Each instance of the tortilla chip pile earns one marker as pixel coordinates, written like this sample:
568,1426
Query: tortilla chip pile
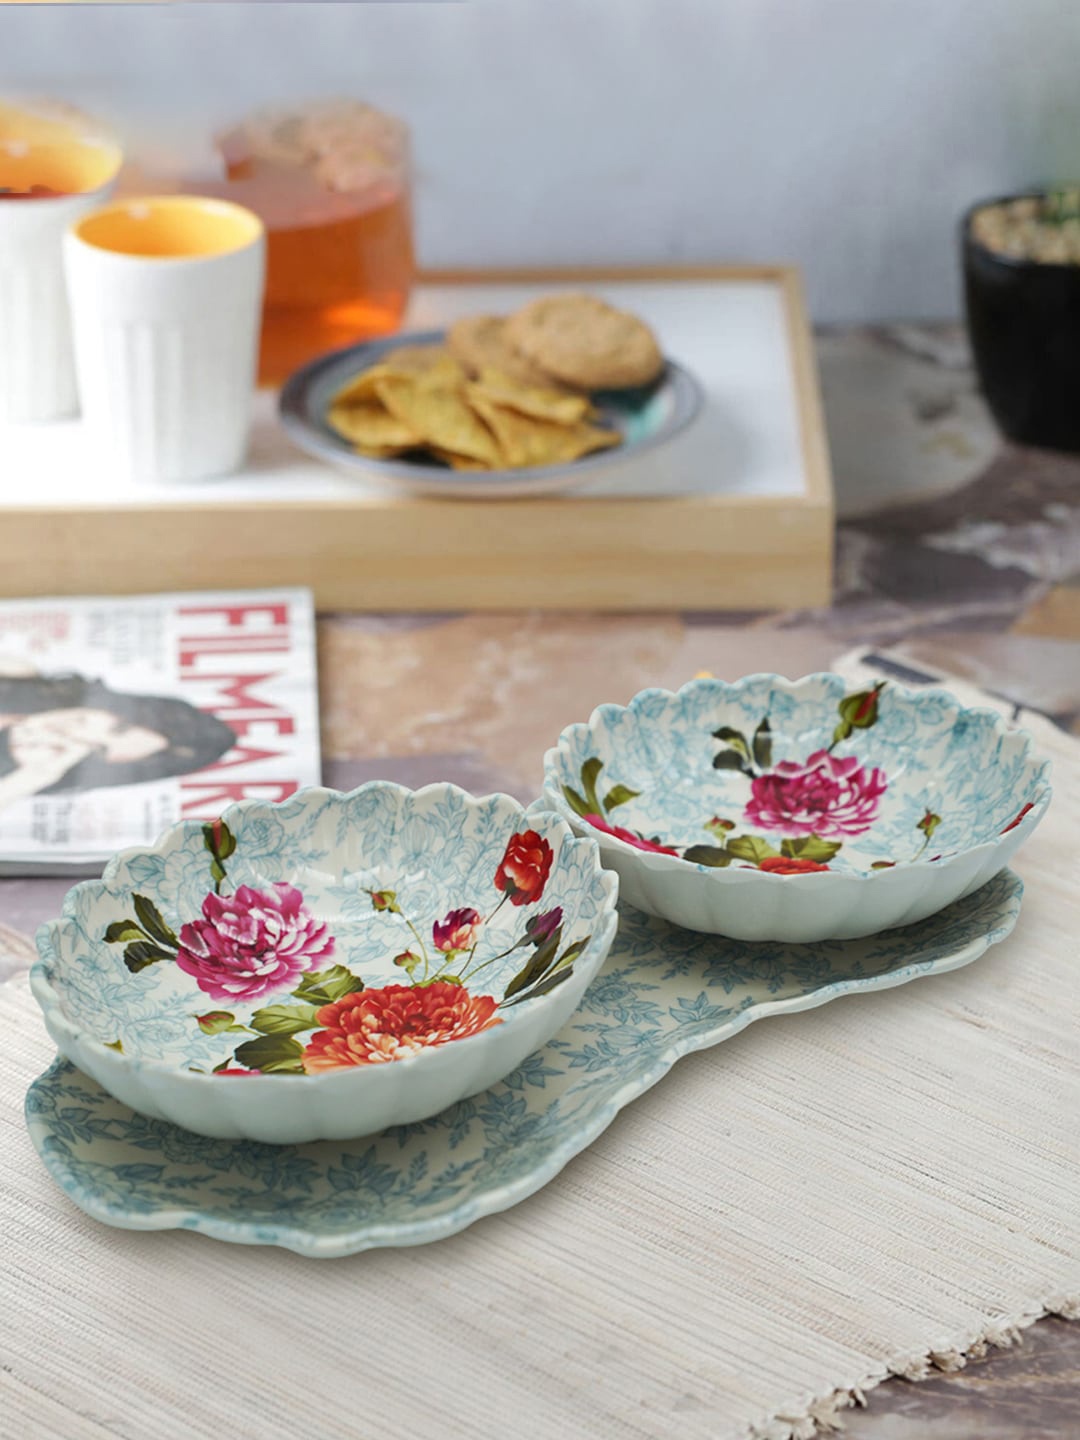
419,398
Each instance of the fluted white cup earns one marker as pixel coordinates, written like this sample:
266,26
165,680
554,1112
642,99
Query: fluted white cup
37,373
166,295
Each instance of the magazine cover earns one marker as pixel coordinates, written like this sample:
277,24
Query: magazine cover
120,716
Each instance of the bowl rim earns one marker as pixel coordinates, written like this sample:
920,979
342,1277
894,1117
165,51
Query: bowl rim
733,875
293,413
48,996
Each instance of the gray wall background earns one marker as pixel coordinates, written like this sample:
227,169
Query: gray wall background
846,135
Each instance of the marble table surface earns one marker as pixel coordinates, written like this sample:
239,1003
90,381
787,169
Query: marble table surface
960,550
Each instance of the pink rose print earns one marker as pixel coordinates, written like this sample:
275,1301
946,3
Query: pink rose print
459,931
823,796
629,836
252,943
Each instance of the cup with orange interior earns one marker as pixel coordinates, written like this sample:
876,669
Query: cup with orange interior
166,293
55,166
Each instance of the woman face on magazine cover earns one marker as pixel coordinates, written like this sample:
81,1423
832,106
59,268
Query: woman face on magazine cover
64,737
67,733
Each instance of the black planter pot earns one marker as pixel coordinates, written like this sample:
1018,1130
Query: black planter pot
1024,323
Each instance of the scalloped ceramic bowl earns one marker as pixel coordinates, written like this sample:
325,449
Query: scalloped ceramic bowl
329,966
797,811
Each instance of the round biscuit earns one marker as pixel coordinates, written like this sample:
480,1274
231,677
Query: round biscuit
480,343
583,341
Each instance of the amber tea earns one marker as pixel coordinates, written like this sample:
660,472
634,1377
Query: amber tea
331,184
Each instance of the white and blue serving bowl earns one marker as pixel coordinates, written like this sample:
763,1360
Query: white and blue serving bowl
798,811
329,966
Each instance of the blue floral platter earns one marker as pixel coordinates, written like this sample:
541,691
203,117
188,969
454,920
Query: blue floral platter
662,993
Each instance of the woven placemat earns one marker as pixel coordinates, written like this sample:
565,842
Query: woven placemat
875,1188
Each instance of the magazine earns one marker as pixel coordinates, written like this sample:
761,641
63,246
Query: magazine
119,717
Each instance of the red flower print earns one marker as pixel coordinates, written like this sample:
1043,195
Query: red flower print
1013,823
377,1026
235,1070
252,943
825,796
629,837
459,931
524,869
789,865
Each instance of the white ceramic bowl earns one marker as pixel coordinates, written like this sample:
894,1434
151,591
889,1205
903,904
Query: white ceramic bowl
362,960
773,810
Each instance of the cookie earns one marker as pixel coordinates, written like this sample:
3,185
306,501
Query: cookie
586,343
480,343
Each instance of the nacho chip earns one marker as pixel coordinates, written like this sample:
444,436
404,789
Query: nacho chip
587,439
367,424
456,462
544,404
416,359
419,398
361,387
436,367
440,416
444,374
386,452
526,440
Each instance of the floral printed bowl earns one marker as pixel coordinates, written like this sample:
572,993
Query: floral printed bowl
795,811
329,966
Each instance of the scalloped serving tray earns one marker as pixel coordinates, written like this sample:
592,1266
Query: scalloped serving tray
663,993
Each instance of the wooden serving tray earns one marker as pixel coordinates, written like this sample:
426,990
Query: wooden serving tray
737,512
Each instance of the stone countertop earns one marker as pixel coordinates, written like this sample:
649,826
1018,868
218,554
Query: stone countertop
960,550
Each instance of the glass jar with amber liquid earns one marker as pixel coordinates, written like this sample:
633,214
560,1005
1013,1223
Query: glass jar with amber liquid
331,182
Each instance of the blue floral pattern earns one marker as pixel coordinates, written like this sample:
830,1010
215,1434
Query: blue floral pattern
687,773
662,993
364,865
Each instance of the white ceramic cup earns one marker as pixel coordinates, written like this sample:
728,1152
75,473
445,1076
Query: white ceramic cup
166,296
37,374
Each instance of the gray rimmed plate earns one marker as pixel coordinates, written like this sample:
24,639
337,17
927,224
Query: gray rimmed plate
644,418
